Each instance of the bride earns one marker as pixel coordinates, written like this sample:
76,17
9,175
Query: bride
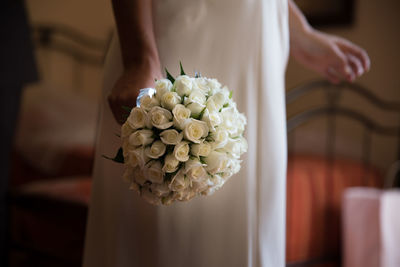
245,45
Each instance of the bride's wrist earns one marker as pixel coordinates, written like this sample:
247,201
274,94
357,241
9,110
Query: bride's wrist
300,38
145,65
300,29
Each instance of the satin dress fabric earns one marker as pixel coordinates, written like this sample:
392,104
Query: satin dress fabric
244,44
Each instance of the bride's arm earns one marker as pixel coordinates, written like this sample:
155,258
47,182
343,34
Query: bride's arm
139,53
333,57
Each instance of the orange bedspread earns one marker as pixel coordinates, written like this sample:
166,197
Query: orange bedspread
314,193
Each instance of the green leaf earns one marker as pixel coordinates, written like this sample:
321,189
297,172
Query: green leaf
202,113
169,76
127,109
169,149
119,157
230,94
169,175
198,116
182,71
202,161
209,138
225,105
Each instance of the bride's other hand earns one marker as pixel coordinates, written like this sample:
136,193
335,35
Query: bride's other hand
333,57
126,89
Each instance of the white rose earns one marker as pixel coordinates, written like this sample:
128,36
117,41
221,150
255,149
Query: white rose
220,138
179,195
185,195
195,102
126,130
162,86
242,121
137,118
170,99
181,114
200,150
171,137
196,96
195,108
200,186
183,85
168,200
212,119
156,150
136,157
195,130
134,187
243,145
147,102
194,169
139,176
141,137
227,94
154,173
236,147
232,121
212,107
214,86
233,167
181,151
216,162
217,181
233,147
201,84
149,196
209,191
126,147
217,101
160,190
179,182
170,163
160,118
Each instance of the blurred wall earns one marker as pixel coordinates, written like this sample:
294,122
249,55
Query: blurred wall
90,17
376,28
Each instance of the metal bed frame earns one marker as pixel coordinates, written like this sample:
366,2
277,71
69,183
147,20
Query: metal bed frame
330,111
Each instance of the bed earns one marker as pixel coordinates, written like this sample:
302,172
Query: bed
335,143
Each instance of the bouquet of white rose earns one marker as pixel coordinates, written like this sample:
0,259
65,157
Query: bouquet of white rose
183,139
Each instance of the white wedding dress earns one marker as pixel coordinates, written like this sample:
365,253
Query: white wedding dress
244,44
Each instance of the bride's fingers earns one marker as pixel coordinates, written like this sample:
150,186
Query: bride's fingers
340,65
358,52
355,64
